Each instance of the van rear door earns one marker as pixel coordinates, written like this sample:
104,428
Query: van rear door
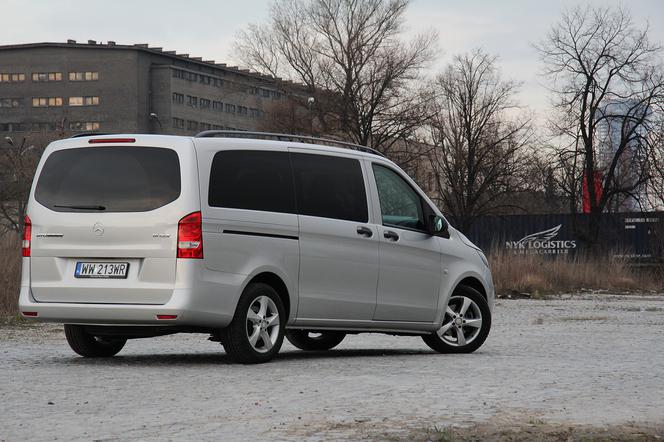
104,220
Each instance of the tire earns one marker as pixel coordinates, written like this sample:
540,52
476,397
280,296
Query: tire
90,346
468,314
255,334
304,340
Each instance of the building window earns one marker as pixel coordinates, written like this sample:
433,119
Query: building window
241,110
47,102
254,113
83,101
218,82
12,127
230,108
178,123
178,98
84,76
46,76
185,75
205,103
266,93
192,125
11,102
218,106
84,125
11,78
217,127
192,101
204,126
44,127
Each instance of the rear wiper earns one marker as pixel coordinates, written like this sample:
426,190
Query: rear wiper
100,208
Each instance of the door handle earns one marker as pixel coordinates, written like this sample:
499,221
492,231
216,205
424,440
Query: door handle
364,231
392,236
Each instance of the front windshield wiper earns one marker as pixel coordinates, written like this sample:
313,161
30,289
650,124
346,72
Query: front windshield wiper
100,208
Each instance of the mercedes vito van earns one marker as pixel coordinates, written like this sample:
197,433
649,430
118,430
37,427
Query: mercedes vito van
247,237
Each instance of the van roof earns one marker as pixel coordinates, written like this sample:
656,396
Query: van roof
263,138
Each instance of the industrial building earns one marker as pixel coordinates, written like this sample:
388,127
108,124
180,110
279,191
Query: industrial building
108,87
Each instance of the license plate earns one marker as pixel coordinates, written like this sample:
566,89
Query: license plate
105,270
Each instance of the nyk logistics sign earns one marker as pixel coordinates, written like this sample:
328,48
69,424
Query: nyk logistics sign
541,243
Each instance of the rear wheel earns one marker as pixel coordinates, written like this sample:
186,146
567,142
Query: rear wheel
91,346
309,340
257,331
466,323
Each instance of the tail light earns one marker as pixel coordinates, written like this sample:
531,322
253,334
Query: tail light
190,236
27,235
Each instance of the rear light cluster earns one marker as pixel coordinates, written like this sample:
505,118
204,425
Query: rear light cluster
190,236
27,236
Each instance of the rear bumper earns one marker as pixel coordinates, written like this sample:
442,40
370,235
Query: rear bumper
189,307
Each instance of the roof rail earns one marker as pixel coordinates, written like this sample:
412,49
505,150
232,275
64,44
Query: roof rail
285,137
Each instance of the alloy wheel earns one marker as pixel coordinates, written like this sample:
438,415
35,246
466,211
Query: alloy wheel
462,322
263,324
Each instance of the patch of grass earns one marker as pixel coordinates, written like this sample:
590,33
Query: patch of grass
441,435
10,274
539,275
13,321
538,430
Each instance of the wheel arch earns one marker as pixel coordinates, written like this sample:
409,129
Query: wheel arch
473,283
469,279
277,283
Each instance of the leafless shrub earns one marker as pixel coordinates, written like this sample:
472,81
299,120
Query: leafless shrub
10,270
536,273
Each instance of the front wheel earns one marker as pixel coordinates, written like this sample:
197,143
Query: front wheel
257,330
466,323
90,346
314,341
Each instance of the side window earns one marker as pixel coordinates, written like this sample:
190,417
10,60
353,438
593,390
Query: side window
330,187
400,204
253,180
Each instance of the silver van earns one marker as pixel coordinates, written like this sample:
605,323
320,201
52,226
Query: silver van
247,237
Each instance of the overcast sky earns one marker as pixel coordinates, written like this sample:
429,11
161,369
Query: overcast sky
206,28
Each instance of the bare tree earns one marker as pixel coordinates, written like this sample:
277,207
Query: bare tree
350,57
17,163
655,188
480,141
607,81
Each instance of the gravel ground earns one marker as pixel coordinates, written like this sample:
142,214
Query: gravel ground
596,361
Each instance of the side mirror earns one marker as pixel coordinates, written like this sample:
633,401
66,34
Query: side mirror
438,226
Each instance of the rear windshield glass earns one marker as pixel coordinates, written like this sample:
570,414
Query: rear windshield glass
109,179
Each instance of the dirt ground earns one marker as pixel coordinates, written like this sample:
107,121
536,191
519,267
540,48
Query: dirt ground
589,368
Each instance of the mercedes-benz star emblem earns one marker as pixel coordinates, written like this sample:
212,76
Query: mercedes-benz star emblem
98,228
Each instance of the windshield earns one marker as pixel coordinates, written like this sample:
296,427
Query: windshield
109,179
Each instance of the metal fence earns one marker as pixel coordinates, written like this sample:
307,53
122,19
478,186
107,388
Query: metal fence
638,237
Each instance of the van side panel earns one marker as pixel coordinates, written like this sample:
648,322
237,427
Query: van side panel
238,242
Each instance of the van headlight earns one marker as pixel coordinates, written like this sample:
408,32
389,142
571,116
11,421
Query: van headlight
483,257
